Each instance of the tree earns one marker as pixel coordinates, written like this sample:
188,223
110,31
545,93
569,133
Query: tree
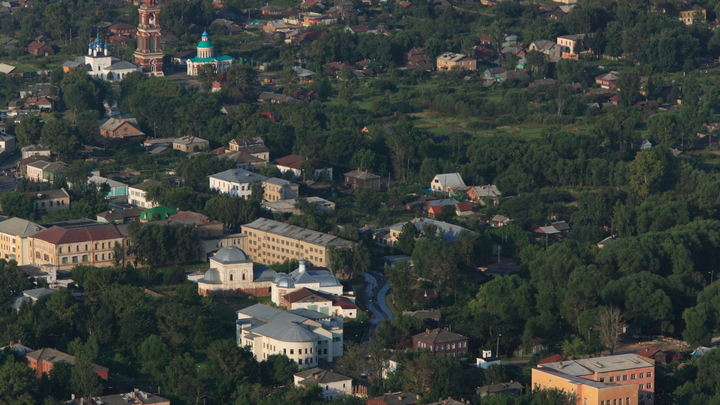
257,190
28,131
629,86
360,259
205,76
367,200
154,356
17,384
646,172
495,374
353,363
406,240
84,381
56,134
17,205
610,324
240,78
403,282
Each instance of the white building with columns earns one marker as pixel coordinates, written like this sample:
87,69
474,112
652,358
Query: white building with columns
206,56
304,336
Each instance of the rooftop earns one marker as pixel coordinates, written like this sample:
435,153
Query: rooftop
593,365
296,232
319,376
439,336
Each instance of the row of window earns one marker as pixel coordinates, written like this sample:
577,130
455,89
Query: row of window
439,348
624,377
617,401
84,258
8,239
98,246
8,247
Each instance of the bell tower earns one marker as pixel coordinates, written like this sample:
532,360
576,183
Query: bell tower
149,54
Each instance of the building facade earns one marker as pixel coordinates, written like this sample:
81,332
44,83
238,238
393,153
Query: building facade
66,247
42,362
232,272
273,242
149,53
601,380
331,383
136,194
302,277
14,234
441,341
448,60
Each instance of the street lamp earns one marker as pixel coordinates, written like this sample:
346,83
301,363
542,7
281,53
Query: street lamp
497,346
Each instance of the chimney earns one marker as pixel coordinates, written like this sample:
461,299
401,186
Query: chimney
301,269
427,330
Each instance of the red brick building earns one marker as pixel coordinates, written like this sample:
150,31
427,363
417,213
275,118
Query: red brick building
42,362
149,53
441,341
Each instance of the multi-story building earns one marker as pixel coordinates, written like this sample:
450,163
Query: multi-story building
279,189
611,380
252,146
448,60
48,200
304,336
44,171
690,15
568,43
441,341
14,234
331,383
86,242
136,194
236,182
390,236
272,242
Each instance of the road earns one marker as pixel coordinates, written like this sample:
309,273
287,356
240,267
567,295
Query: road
377,288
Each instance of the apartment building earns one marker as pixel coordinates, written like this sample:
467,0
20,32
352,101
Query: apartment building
626,379
14,234
237,183
273,242
85,242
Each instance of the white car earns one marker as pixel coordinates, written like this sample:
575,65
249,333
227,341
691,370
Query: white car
11,113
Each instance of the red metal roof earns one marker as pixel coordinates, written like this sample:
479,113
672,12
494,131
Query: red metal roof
648,352
555,358
57,235
464,206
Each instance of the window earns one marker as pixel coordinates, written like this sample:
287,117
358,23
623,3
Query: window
624,377
632,376
103,256
69,249
612,379
292,351
243,276
37,255
59,250
231,277
602,379
641,375
64,260
627,401
648,374
86,248
300,361
75,259
648,386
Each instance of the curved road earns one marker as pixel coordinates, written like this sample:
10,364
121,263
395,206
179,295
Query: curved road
376,294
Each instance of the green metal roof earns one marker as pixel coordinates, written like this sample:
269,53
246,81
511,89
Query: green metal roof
205,44
162,210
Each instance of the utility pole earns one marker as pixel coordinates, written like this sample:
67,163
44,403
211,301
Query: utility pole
497,346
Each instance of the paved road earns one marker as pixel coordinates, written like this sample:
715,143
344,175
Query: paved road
370,291
379,295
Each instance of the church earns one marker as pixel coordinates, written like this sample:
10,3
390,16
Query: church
232,272
99,64
206,56
316,280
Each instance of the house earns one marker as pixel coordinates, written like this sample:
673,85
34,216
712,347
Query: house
35,150
117,189
119,216
122,28
278,10
395,398
252,146
136,396
416,55
441,341
539,346
137,196
659,356
44,104
42,362
157,213
450,232
40,49
567,44
549,48
69,244
691,15
14,233
305,337
294,162
607,81
7,144
48,200
11,70
126,129
463,208
274,242
448,60
189,144
610,239
600,379
512,75
643,144
274,98
322,302
232,273
443,183
288,206
44,171
434,211
331,383
280,189
31,297
478,194
512,389
235,182
498,221
276,26
47,273
359,178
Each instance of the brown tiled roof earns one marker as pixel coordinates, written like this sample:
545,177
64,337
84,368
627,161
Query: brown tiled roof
57,235
439,336
291,161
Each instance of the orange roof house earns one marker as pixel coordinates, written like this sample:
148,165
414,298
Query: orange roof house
42,362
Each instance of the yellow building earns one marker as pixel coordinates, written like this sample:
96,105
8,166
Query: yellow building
14,234
271,241
448,60
69,246
279,189
690,16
